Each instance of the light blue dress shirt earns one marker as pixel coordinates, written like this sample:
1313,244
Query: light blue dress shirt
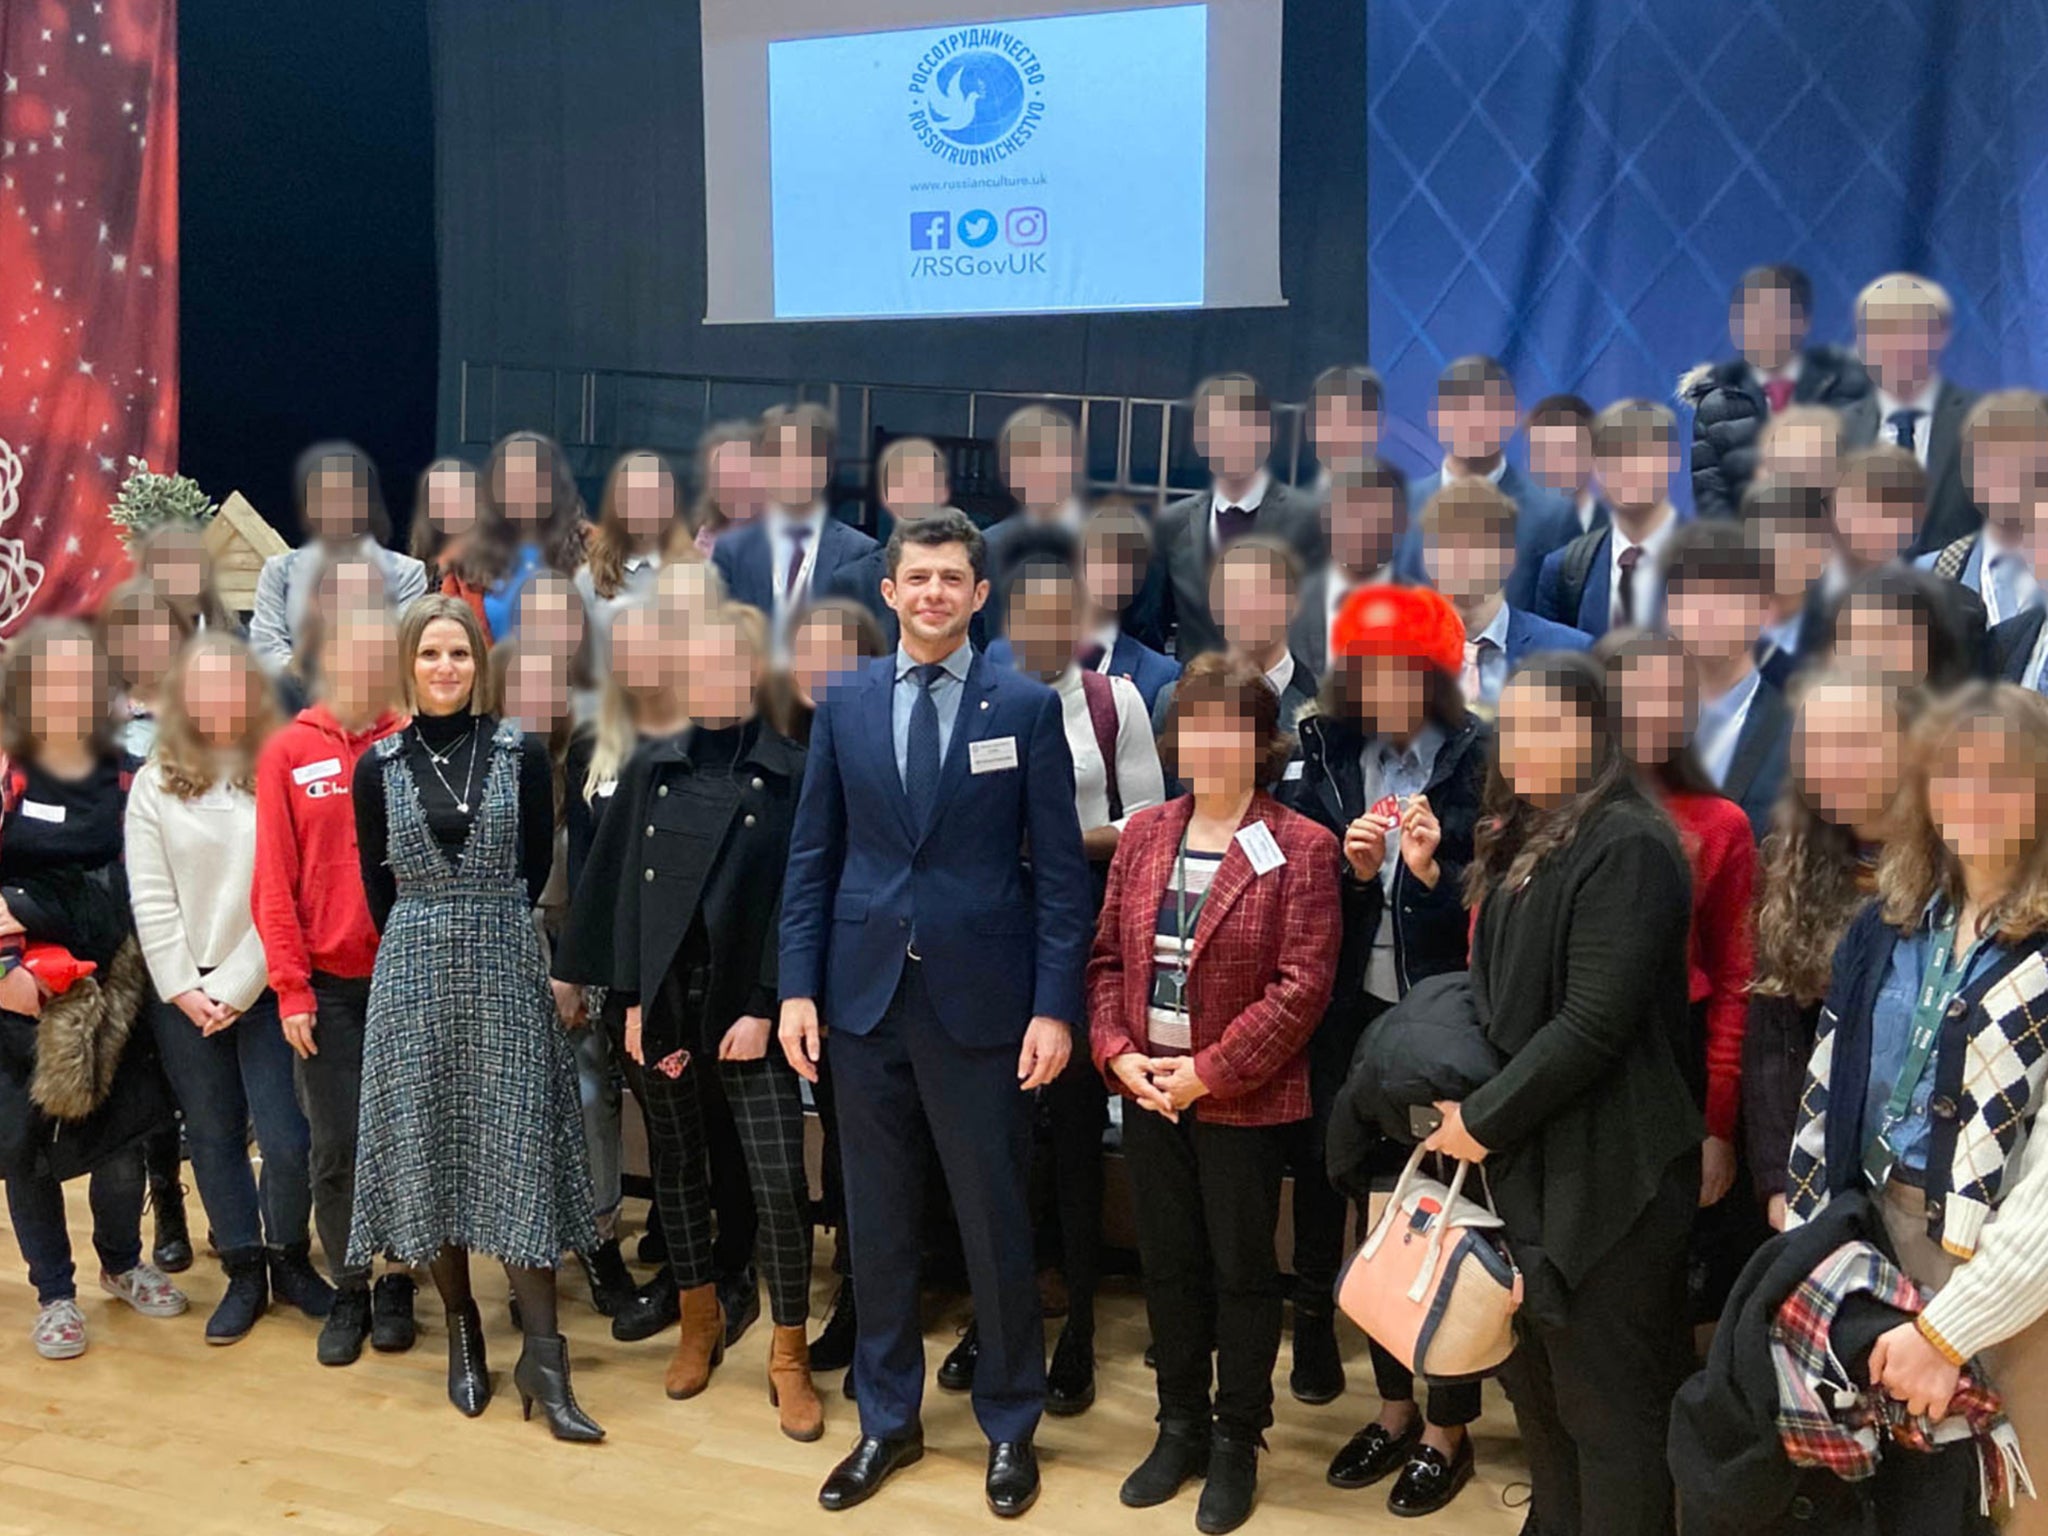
946,695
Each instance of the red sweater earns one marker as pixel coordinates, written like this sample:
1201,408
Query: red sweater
1721,849
307,896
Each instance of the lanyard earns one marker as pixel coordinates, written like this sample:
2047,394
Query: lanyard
1184,921
1938,987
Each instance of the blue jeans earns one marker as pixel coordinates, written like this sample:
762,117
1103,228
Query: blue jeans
35,1202
224,1082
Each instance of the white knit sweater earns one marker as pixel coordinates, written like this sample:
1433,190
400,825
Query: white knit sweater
190,866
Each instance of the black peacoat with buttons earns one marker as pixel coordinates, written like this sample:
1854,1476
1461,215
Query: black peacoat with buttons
685,839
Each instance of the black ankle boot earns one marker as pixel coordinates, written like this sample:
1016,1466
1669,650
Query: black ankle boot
172,1250
469,1374
1232,1488
392,1329
542,1376
1179,1454
611,1283
247,1297
1318,1374
832,1349
295,1282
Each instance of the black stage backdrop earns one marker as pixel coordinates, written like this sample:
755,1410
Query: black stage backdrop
571,199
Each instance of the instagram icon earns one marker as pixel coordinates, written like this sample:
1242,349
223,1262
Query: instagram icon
1025,226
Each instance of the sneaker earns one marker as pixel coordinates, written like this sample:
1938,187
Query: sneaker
60,1331
147,1289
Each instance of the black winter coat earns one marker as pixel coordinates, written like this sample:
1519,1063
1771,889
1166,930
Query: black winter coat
1728,414
694,833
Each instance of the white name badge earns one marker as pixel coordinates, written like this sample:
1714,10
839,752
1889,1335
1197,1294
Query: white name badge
992,756
36,810
1257,842
327,767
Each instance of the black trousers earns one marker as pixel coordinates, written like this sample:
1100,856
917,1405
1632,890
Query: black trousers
832,1210
1208,1199
1320,1211
1593,1395
330,1089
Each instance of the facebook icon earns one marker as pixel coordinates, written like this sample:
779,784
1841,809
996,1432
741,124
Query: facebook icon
931,231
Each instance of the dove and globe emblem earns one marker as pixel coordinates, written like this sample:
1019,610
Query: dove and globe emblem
977,98
977,95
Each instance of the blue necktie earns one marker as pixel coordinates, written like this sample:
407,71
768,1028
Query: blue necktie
921,762
1903,424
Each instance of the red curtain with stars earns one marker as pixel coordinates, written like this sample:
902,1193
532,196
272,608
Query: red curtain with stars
88,286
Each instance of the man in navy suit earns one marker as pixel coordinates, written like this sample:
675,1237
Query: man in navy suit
1473,418
1718,588
950,973
796,548
1468,531
1611,576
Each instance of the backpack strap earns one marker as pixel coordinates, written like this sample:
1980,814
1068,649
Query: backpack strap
1577,566
1100,693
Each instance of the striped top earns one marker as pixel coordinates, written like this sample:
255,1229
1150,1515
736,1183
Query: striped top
1166,1025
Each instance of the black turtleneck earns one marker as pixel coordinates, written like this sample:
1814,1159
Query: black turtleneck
464,741
716,749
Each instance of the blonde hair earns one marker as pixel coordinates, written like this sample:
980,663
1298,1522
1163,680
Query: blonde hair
2008,416
187,765
1904,296
616,728
412,628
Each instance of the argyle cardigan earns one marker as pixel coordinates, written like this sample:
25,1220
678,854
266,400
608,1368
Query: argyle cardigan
1990,1065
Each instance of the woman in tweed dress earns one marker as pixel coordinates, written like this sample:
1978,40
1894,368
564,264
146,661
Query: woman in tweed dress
471,1128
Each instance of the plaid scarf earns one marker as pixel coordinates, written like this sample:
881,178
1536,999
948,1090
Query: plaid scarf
1826,1420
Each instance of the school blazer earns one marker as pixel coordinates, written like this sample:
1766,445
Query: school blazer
744,559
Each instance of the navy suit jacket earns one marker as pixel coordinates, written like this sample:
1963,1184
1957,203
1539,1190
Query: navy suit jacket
1544,520
1001,942
2011,645
744,558
1756,773
1528,635
1592,616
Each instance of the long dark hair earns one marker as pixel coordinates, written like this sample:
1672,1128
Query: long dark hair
562,535
1514,836
1681,773
364,469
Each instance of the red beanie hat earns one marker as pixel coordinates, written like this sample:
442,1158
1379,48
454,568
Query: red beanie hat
1386,620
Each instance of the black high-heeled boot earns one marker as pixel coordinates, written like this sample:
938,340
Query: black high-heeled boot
542,1376
469,1377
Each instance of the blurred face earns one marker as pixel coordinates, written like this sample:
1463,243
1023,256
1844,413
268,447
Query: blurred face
1346,432
353,584
646,501
1253,605
144,649
178,569
1042,472
63,704
1390,694
1805,454
443,668
1799,557
1364,525
646,658
2003,477
1716,623
1655,698
1219,751
1561,456
551,617
736,481
451,501
1872,529
1847,754
217,698
1901,350
1766,327
1638,477
536,692
523,489
934,593
359,665
1470,570
824,649
1546,750
1477,425
797,471
1983,801
721,676
337,502
1886,634
917,486
1110,576
1045,627
1234,438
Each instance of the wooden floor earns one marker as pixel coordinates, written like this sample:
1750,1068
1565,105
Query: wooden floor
152,1432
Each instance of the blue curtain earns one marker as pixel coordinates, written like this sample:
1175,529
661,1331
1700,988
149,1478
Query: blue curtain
1574,185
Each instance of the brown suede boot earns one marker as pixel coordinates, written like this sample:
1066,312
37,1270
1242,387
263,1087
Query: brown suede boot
789,1385
701,1345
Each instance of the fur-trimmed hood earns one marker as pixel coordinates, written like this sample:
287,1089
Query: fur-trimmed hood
82,1034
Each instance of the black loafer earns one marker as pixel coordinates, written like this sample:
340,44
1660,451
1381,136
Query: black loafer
1012,1478
1372,1455
860,1477
956,1371
1430,1480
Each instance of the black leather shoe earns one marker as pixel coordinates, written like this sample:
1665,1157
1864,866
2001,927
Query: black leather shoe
1232,1488
1430,1480
740,1297
1318,1374
1179,1455
392,1329
347,1325
469,1375
832,1349
956,1371
1012,1478
650,1309
872,1463
1070,1379
1373,1454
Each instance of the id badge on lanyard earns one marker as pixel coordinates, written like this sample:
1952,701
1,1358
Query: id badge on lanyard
1937,988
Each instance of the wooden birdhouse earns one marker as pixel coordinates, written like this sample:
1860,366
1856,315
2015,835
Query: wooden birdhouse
240,541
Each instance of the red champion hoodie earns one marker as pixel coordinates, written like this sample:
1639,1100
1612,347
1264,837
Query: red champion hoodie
307,897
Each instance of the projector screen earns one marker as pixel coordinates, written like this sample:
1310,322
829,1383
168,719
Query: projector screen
894,159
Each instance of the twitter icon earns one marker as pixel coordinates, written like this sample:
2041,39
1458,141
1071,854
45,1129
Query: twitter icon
976,228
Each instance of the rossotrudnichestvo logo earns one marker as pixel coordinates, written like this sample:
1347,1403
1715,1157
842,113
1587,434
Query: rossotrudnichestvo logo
977,96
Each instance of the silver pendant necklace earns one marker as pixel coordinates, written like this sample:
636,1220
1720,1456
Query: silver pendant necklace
436,759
